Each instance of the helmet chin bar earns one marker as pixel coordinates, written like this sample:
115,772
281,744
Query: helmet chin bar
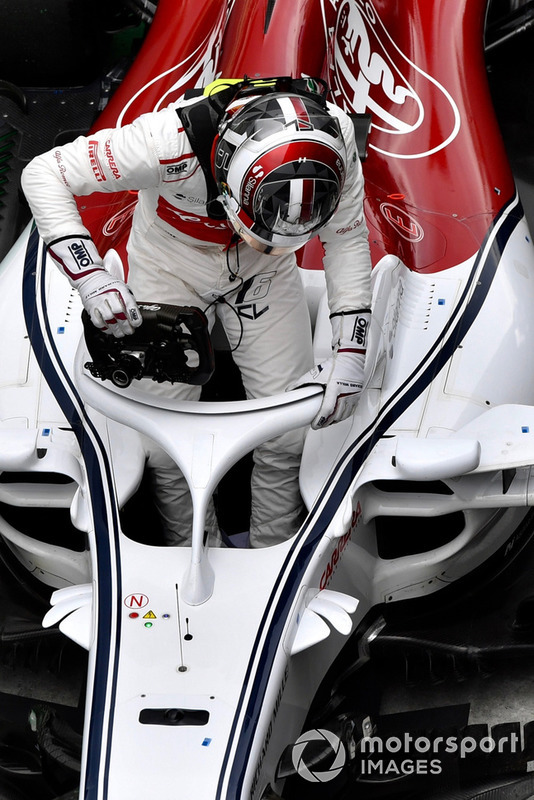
261,247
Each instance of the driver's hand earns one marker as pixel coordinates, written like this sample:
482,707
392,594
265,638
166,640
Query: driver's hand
109,303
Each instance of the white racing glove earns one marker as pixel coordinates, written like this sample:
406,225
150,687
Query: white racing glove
108,300
342,374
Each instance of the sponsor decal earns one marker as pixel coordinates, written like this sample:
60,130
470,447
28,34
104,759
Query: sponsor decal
352,227
80,254
405,225
61,166
268,733
517,540
112,164
414,113
195,226
359,331
114,223
94,160
254,176
199,201
172,170
326,577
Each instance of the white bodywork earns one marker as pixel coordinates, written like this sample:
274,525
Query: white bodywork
201,690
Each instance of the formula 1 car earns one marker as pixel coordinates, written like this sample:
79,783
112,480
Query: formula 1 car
231,673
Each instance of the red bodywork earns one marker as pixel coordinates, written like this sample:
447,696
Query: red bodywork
436,172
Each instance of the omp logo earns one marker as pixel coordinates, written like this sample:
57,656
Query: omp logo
359,334
81,255
176,169
414,114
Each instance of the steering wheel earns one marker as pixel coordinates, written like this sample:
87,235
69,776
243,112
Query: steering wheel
173,344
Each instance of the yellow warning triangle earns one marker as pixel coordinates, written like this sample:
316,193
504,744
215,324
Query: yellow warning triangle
149,615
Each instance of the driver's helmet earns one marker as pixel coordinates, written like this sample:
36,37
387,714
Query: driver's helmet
280,165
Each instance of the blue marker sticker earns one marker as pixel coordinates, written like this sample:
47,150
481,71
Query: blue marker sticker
525,429
441,301
206,743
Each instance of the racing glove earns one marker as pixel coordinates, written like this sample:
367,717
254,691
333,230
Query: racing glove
342,374
108,300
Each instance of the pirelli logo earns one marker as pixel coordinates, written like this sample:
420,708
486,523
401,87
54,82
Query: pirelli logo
94,160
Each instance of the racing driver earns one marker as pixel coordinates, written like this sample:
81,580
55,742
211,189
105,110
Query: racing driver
231,182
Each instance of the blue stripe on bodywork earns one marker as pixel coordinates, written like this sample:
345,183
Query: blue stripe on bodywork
63,389
478,285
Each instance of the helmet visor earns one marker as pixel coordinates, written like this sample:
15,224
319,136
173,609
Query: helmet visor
263,241
297,206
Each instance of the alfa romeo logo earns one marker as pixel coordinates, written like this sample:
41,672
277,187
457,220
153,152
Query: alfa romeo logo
371,74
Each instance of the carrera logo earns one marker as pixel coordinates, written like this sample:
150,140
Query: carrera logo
112,164
413,115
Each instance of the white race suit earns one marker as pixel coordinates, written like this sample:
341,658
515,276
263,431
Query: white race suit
177,254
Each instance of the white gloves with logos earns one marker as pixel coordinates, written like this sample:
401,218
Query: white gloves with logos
342,374
110,303
108,300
